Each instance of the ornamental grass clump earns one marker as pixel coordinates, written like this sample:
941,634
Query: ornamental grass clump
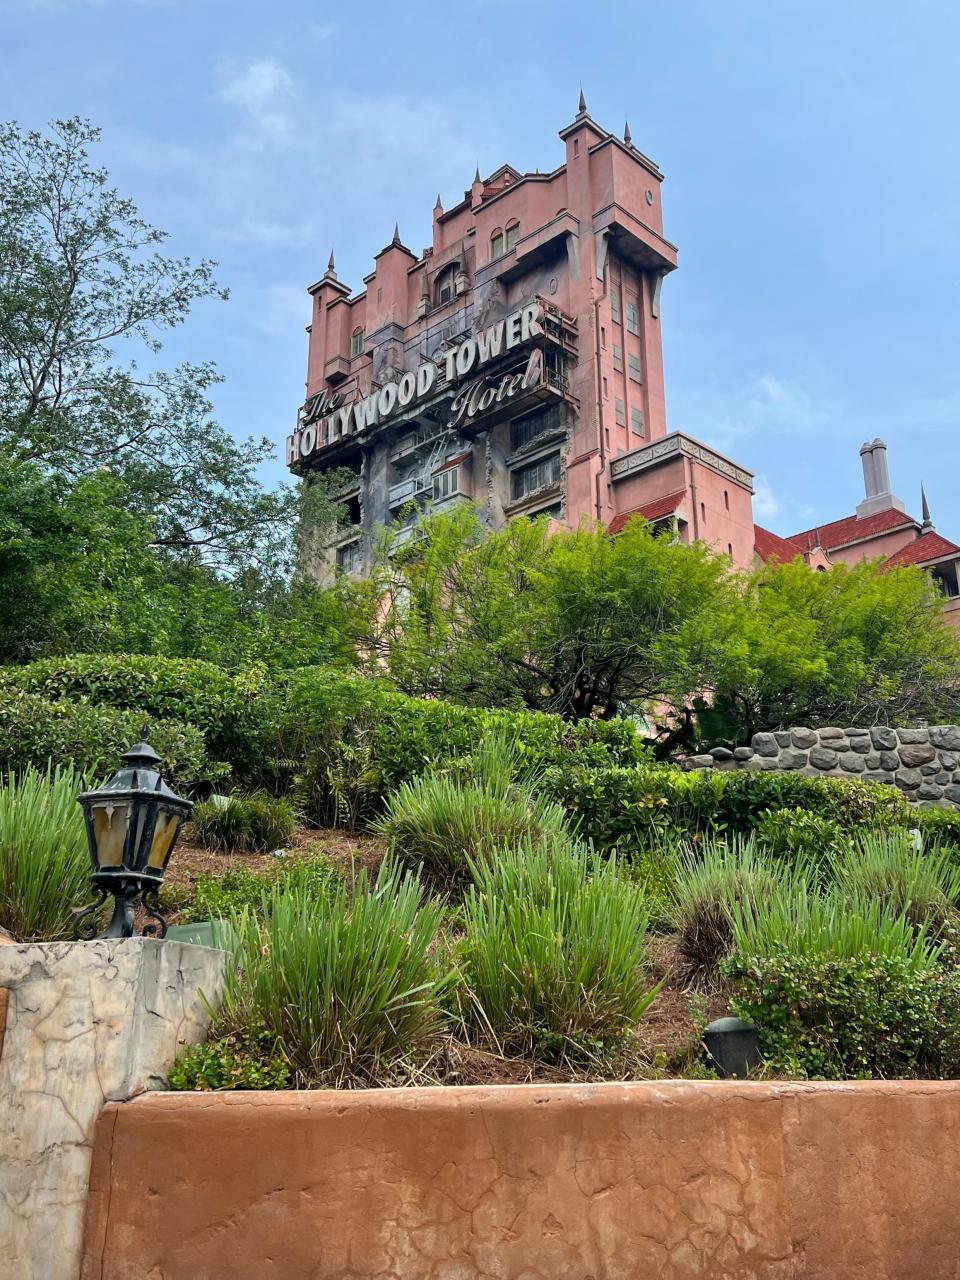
553,953
708,883
347,984
44,862
842,989
443,822
920,884
254,823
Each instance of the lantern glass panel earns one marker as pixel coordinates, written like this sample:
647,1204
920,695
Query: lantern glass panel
164,834
110,824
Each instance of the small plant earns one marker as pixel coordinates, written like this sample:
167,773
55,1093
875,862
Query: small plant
553,952
442,825
220,897
708,884
349,985
255,823
240,1060
923,886
44,862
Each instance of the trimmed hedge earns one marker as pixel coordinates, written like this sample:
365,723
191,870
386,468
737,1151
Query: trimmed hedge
352,740
36,732
634,808
229,711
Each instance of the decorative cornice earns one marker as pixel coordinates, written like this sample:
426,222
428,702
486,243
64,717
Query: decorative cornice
677,445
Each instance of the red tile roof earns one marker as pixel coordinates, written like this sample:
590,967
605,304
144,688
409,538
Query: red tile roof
840,533
655,510
929,546
770,546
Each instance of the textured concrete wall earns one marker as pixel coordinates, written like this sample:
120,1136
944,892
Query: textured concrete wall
673,1180
87,1023
923,763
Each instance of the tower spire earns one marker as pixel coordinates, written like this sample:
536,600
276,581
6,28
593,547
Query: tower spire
582,105
476,176
627,135
331,267
396,233
927,521
439,205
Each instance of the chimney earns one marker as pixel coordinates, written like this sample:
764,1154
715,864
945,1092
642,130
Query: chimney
876,481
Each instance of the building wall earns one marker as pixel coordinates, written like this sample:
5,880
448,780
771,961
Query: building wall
675,1179
877,548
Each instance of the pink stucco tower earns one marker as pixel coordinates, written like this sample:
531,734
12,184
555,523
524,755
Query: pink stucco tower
516,362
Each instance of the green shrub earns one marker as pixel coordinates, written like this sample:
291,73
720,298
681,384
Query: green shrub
939,825
34,732
709,883
799,837
255,823
246,1060
351,740
631,808
922,885
241,889
552,956
44,863
439,824
840,990
348,985
231,712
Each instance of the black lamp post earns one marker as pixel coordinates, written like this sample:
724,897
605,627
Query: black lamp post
132,824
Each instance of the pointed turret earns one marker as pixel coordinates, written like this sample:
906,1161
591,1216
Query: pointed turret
331,266
438,207
925,510
396,234
582,104
627,135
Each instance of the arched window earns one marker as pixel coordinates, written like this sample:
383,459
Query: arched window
356,344
447,284
496,245
512,235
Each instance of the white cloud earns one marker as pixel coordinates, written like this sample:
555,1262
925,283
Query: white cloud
766,505
261,92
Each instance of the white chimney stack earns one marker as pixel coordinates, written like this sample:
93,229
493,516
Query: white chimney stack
876,481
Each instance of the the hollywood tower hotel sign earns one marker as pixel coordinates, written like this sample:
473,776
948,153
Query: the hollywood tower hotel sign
475,396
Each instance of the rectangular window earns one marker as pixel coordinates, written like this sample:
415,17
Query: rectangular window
621,413
614,306
634,366
633,320
356,344
512,236
618,358
523,430
349,557
604,388
539,475
603,336
446,483
636,422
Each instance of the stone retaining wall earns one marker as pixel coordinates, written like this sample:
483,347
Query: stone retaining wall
679,1180
923,763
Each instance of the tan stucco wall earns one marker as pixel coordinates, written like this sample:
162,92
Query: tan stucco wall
673,1180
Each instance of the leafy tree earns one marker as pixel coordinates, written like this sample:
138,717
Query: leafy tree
574,622
853,645
85,296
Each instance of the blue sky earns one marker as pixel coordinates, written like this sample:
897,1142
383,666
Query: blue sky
811,154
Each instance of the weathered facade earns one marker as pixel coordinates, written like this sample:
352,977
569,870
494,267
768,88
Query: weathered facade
515,362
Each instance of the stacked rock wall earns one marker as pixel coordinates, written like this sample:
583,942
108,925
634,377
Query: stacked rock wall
923,763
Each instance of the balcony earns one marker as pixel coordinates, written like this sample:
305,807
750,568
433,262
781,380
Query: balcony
336,370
